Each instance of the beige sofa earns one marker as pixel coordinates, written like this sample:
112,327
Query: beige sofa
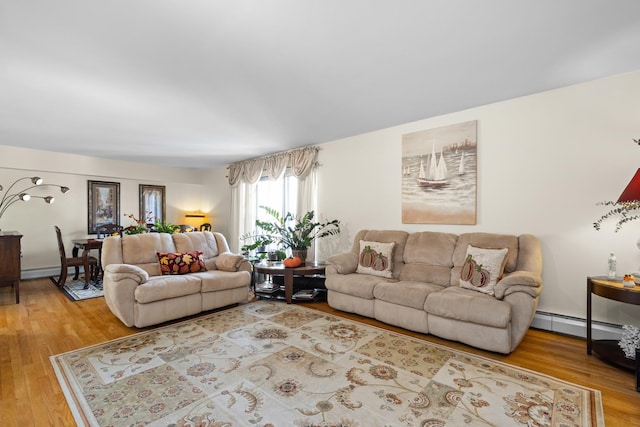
137,293
424,293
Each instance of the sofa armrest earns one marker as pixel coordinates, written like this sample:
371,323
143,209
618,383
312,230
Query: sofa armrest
119,284
344,263
519,281
118,272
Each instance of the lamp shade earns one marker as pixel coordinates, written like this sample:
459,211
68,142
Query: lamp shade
632,191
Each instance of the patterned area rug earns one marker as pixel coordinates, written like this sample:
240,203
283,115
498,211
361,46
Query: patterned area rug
74,289
272,364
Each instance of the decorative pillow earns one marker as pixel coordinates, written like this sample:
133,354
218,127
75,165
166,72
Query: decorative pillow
181,263
227,261
376,258
482,268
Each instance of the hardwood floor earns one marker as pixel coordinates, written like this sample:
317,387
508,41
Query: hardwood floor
46,323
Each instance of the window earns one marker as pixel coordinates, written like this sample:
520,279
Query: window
281,195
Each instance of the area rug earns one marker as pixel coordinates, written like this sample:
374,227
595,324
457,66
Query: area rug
271,364
74,289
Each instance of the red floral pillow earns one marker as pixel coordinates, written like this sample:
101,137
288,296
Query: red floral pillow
181,263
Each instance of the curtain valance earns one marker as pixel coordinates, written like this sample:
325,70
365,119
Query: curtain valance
300,162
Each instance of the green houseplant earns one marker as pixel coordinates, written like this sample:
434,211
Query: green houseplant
165,227
139,227
289,231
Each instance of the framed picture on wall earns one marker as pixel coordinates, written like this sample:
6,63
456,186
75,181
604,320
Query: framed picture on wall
439,175
103,204
152,203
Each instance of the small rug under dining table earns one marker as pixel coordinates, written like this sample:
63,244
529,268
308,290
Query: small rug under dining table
271,364
75,289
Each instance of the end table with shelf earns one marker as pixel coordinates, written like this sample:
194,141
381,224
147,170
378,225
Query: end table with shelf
608,350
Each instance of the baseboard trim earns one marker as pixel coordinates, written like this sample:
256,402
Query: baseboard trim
41,273
575,326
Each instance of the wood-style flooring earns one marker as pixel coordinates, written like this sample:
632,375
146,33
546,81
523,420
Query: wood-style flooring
46,323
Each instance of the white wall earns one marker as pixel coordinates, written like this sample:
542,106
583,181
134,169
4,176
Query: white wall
544,161
35,219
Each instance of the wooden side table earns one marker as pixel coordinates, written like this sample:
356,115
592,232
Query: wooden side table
309,269
609,350
10,256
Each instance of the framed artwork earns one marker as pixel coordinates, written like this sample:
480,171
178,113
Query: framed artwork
103,204
439,175
152,203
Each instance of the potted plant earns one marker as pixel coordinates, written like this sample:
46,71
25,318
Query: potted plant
165,227
140,226
289,231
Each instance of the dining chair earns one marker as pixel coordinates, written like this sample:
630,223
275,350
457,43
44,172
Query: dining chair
206,227
186,228
76,262
106,230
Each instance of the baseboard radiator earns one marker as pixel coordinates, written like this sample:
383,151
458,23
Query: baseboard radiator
575,326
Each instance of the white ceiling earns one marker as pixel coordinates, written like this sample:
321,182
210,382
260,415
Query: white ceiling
202,83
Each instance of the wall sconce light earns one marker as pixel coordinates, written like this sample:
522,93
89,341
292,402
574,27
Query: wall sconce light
10,198
196,218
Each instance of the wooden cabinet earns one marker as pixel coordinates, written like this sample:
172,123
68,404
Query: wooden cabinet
10,260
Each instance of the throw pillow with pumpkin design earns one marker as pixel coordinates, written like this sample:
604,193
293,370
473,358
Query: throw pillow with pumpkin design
376,258
482,269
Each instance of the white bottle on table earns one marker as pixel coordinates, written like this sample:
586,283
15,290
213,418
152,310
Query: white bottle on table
612,266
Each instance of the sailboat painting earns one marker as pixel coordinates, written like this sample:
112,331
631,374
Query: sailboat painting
439,175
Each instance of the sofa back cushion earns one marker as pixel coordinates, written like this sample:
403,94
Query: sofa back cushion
487,241
203,241
428,256
385,236
141,250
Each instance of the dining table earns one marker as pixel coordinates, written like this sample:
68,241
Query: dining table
87,245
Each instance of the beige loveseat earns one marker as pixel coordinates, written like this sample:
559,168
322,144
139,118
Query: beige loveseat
424,293
137,293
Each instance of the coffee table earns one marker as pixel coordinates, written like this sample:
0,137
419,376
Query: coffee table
289,273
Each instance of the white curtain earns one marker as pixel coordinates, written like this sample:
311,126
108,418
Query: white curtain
243,178
302,161
308,200
252,170
242,218
235,172
276,165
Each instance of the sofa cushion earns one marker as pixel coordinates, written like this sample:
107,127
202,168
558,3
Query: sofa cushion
142,248
204,241
164,287
218,280
357,285
408,294
181,262
469,306
428,256
376,258
482,269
